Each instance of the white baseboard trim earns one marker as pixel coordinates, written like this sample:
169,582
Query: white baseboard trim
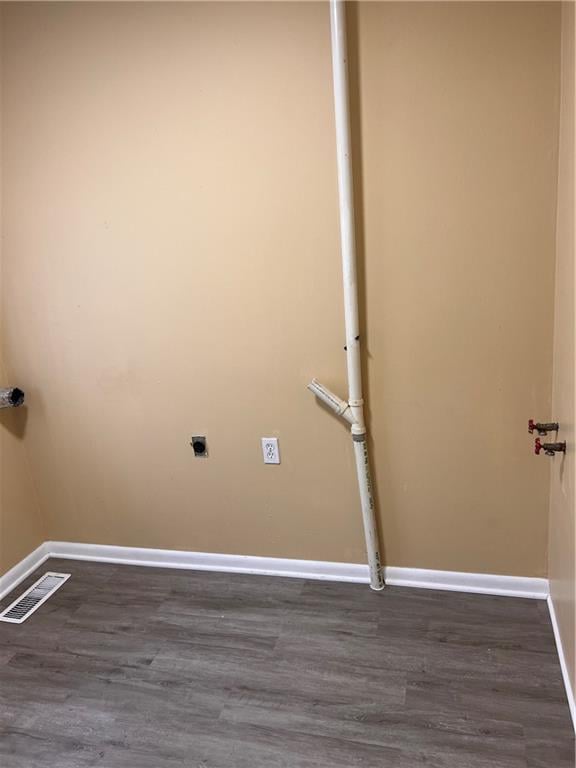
206,561
563,665
24,568
487,584
478,583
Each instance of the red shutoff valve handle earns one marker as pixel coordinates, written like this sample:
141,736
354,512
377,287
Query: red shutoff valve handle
542,428
550,449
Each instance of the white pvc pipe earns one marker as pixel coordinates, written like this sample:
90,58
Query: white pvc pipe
368,510
346,198
353,411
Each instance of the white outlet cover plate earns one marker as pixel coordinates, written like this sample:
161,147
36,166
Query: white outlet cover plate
270,450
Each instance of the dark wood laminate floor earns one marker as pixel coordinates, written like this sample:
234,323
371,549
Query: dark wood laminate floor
131,667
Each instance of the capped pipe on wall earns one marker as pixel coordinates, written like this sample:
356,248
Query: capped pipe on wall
352,410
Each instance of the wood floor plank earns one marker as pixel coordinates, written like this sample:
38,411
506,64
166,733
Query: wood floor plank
129,667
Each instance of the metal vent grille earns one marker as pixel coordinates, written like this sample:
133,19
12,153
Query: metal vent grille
32,599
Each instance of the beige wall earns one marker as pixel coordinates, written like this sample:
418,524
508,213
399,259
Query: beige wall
458,115
562,509
21,526
172,268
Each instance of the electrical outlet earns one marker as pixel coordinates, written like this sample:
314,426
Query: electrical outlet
270,450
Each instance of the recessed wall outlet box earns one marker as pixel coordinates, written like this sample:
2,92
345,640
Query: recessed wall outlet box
198,443
270,450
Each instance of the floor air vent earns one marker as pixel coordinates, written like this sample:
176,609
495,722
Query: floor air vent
32,599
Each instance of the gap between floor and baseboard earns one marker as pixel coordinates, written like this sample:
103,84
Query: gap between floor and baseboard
454,581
